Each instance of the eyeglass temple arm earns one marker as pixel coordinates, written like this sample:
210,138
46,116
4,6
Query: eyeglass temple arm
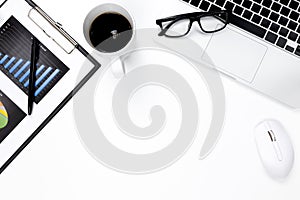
159,21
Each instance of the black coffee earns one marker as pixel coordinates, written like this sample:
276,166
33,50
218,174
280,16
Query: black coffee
110,32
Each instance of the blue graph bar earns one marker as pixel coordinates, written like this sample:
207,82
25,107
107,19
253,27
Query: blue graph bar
43,76
22,69
37,92
36,74
24,76
16,66
3,59
9,62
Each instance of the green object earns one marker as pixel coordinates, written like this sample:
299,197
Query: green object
3,121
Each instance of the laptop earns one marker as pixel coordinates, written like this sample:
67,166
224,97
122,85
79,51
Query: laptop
259,48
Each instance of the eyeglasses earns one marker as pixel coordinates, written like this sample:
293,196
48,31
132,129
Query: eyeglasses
180,25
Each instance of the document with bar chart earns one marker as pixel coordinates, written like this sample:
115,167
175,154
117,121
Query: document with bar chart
15,53
59,75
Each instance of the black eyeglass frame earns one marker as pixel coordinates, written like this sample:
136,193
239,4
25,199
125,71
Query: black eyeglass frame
195,16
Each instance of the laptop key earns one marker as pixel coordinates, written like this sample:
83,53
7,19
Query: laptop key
220,2
293,36
229,6
204,5
289,48
247,14
238,10
265,23
267,3
276,7
247,4
195,2
247,26
274,27
285,11
256,8
284,2
265,12
297,52
283,31
281,42
292,25
271,37
294,15
293,4
274,17
283,21
256,19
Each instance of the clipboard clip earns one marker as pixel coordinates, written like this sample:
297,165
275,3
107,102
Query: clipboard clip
57,26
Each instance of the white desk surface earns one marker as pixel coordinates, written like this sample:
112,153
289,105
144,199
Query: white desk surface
56,166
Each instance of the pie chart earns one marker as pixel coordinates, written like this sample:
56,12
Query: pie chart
3,116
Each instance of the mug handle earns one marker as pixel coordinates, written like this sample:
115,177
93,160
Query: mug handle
119,67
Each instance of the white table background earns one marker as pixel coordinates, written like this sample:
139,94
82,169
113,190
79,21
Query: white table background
56,165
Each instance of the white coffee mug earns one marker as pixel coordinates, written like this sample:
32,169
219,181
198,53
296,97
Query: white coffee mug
119,67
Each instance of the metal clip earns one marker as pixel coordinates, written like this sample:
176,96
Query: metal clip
55,25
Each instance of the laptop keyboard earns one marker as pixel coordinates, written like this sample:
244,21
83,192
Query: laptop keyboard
275,21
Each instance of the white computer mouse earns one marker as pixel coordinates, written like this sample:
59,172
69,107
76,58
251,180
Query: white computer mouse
275,148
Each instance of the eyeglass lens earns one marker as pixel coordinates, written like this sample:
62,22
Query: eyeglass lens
178,28
213,23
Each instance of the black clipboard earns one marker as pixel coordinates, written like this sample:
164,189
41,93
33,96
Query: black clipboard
81,83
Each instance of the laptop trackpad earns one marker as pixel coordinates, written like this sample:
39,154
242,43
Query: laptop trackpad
235,54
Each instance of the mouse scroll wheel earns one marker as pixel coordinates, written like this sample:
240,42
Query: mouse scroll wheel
275,145
272,135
